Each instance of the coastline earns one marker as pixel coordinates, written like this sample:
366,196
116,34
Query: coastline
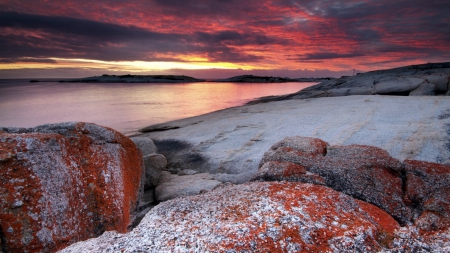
232,141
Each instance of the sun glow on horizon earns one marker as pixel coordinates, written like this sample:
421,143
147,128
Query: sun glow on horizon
132,66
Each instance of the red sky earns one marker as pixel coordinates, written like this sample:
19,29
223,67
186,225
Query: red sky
219,38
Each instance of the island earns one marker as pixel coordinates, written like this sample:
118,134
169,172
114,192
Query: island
135,79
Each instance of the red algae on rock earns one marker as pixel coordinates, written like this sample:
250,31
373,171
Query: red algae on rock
63,183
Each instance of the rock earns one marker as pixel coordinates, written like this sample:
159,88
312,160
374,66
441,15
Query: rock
256,217
154,165
425,89
63,183
232,142
286,171
397,81
441,82
145,145
349,91
147,198
174,186
187,172
364,172
447,93
303,144
428,193
398,85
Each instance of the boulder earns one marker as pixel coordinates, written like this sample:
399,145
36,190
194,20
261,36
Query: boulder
145,145
440,81
425,89
63,183
173,186
398,85
256,217
154,165
428,193
364,172
286,171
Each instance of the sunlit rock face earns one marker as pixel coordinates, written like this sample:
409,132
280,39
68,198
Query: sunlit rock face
64,183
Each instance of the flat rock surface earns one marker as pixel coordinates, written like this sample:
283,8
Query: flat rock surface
230,143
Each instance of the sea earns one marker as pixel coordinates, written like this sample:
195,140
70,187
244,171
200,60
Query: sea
125,107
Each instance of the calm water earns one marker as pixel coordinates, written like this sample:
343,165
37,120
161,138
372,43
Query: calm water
124,107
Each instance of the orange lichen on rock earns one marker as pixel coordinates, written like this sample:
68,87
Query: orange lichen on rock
259,217
64,183
363,172
428,192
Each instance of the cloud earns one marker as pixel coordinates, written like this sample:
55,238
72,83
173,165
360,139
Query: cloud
325,56
318,33
54,36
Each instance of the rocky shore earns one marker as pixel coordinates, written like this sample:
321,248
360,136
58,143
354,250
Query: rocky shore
324,173
431,79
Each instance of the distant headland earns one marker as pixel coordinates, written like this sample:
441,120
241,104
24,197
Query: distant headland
185,79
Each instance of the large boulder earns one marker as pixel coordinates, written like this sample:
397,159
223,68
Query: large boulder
364,172
145,145
256,217
154,165
428,193
440,81
63,183
398,85
412,192
425,89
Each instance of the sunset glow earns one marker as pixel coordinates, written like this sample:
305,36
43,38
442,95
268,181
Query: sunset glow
295,38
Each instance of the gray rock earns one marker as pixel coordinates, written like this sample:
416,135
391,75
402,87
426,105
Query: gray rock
441,82
146,145
174,186
425,89
147,198
398,85
187,172
447,93
361,91
154,165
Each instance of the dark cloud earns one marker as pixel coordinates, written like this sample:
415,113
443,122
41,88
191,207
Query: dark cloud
325,56
36,60
69,37
331,32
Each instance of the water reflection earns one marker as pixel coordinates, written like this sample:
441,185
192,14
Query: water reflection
125,107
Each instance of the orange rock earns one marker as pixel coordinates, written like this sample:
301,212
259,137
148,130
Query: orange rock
428,193
364,172
63,183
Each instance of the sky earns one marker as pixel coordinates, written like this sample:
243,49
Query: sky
219,38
